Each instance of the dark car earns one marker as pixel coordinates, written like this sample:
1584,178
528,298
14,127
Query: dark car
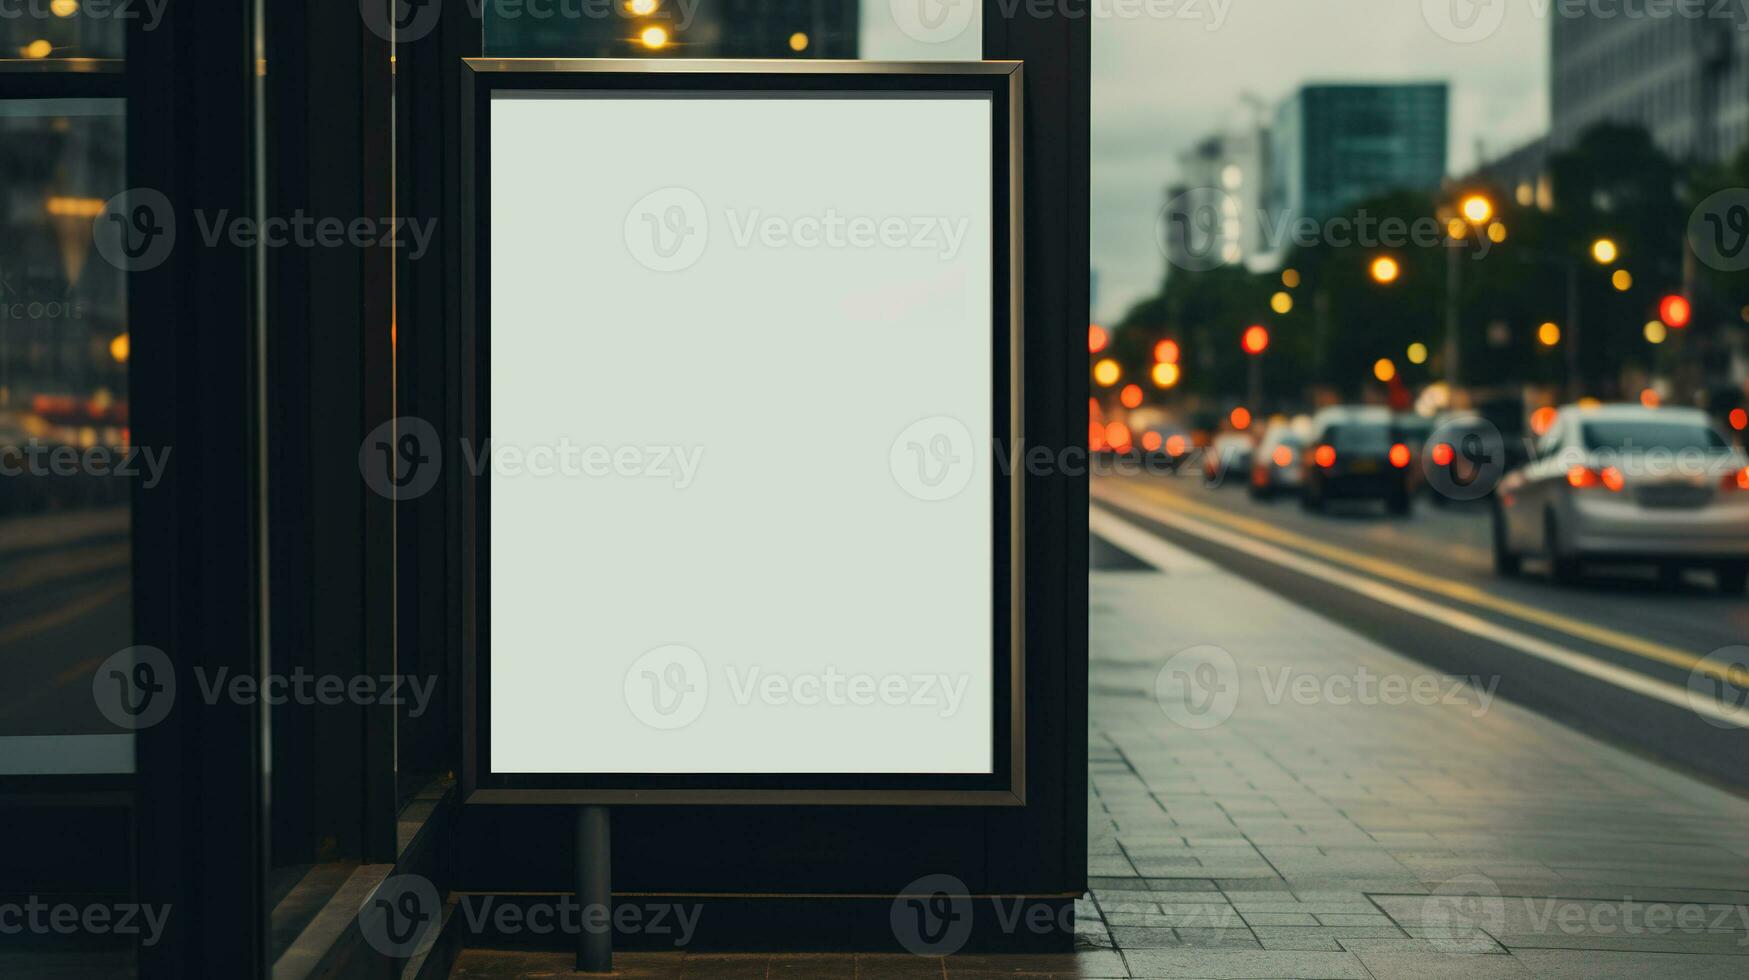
1357,453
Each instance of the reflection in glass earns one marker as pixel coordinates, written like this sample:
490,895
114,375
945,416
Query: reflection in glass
64,519
41,30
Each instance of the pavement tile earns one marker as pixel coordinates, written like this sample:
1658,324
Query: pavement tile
1396,965
1157,964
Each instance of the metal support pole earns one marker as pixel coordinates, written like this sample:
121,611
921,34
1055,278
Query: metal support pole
1575,384
594,890
1453,347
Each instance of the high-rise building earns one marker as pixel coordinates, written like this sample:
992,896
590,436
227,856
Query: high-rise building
1685,79
1218,198
1334,145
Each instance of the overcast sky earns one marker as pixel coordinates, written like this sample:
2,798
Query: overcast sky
1161,84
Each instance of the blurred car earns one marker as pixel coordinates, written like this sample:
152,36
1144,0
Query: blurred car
1229,453
1275,466
1356,455
1414,431
1631,484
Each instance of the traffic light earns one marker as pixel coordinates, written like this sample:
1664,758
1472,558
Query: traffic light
1675,311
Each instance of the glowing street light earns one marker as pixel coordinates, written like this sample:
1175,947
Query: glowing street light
1107,372
1623,280
1166,374
1477,209
1549,334
1384,369
1417,353
1290,278
1130,396
1385,270
1604,251
654,38
1166,352
1656,332
1282,303
1256,339
1097,338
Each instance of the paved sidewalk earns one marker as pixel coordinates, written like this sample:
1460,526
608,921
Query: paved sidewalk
1275,796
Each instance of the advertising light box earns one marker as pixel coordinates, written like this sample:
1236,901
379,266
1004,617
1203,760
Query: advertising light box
746,366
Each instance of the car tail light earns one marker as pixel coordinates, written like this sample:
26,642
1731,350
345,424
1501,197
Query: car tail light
1586,478
1283,456
1325,456
1443,454
1736,481
1400,456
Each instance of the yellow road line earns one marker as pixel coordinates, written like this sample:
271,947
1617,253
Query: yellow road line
1402,574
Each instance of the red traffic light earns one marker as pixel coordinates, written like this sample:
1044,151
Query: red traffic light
1675,311
1256,339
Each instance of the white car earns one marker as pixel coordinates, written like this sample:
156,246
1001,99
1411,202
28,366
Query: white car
1276,465
1631,484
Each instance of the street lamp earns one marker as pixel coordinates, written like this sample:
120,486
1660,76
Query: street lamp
1604,251
1385,270
1478,211
1255,341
